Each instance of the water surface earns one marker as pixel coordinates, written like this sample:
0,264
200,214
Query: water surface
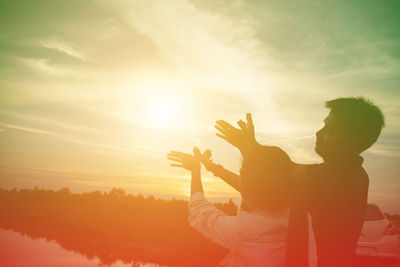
20,250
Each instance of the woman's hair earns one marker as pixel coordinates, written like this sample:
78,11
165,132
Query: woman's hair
265,178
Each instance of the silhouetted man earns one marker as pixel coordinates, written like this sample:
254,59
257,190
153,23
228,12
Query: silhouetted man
334,192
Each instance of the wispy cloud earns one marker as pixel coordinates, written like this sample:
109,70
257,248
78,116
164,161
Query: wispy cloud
379,150
64,47
90,87
43,65
99,146
292,138
60,124
26,129
210,48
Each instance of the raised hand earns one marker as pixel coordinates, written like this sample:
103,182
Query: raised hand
250,129
205,158
243,137
187,161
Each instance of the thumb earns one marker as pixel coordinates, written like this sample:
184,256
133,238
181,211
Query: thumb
207,154
250,127
249,119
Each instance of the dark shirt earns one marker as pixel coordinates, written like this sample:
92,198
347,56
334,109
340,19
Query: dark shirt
297,238
337,202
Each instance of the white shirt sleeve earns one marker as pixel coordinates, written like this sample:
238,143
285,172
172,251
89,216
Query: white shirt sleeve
213,223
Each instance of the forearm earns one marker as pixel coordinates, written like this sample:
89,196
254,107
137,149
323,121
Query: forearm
229,177
248,149
196,184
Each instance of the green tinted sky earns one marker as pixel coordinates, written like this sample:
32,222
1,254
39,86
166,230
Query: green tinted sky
94,93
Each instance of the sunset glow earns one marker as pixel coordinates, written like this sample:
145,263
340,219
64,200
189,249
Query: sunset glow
162,114
95,93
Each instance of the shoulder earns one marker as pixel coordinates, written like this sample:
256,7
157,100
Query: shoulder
304,170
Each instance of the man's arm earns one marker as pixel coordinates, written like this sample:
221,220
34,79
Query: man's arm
233,179
243,138
229,177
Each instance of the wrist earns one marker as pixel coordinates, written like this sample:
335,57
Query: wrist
245,150
196,170
216,169
210,166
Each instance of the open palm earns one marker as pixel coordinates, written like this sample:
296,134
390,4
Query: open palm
242,137
187,161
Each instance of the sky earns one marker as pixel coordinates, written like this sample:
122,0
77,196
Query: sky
93,94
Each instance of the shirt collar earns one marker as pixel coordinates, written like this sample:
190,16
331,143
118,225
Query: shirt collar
346,163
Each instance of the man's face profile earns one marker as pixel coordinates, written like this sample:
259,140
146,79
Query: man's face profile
329,143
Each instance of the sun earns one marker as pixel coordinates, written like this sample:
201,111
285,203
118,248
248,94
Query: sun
163,103
161,114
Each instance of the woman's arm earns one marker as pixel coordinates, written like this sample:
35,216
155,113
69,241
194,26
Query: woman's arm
196,184
213,223
189,162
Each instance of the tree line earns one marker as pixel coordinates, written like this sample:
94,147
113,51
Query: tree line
111,225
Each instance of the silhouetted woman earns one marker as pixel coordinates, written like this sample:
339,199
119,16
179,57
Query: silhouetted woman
257,235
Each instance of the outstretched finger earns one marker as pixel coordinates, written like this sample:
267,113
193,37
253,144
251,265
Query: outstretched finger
221,130
205,157
171,157
242,125
177,165
224,137
223,124
175,156
207,154
249,119
178,154
175,159
250,127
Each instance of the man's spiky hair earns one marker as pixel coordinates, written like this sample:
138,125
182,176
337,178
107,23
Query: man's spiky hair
360,119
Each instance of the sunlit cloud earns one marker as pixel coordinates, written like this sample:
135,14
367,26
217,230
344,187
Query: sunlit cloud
123,82
54,123
221,52
384,151
64,47
43,66
26,129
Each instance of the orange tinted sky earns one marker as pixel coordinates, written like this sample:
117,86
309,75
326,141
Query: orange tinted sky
95,93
